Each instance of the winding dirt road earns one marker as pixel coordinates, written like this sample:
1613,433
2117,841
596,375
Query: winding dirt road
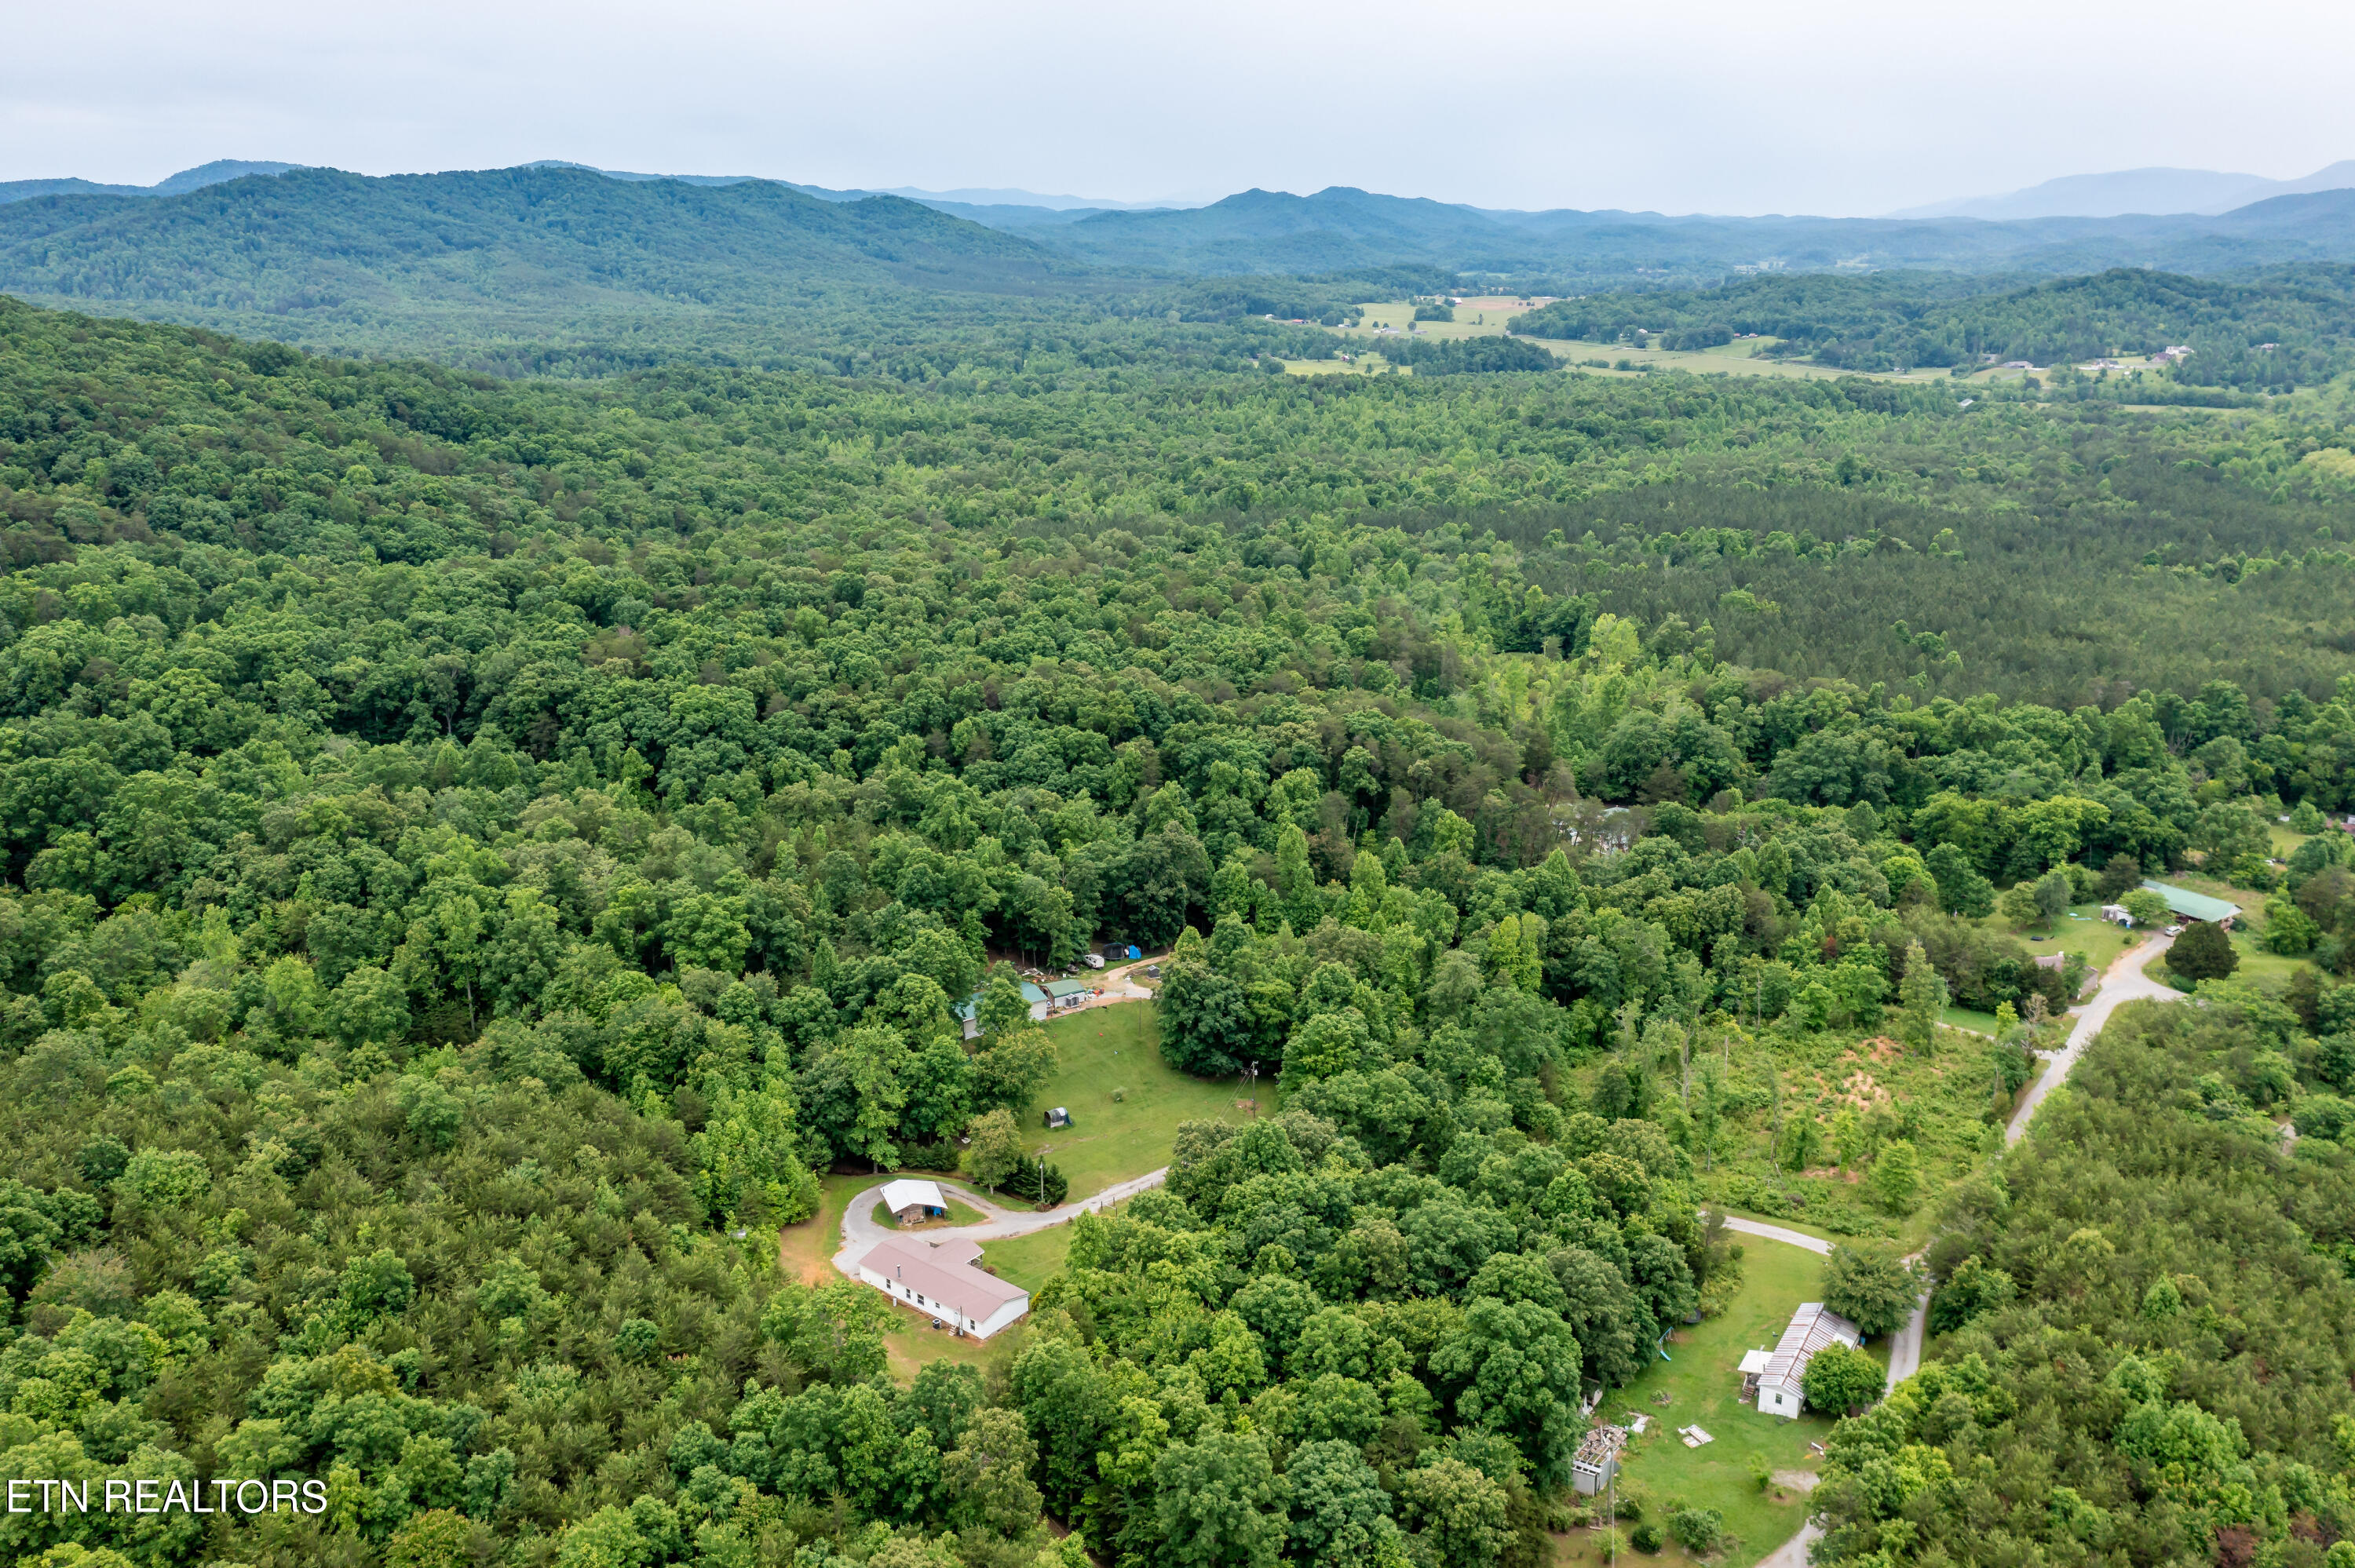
2122,983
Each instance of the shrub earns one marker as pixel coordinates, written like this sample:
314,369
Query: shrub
2203,952
1700,1528
1645,1538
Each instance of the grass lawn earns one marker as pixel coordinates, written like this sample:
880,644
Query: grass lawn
2093,938
1029,1260
912,1342
1964,1018
1739,358
2270,969
959,1214
1364,364
1103,1049
1702,1388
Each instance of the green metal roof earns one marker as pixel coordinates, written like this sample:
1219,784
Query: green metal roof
2197,905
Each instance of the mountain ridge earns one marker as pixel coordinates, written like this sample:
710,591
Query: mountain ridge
2154,191
219,171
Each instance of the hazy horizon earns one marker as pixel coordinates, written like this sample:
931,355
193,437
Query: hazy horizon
1836,109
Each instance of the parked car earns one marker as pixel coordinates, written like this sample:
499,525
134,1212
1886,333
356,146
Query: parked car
2175,930
1094,960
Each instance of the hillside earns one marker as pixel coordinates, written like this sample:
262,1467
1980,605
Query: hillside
1264,231
328,257
203,174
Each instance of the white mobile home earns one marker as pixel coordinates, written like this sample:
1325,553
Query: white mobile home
1813,1327
946,1281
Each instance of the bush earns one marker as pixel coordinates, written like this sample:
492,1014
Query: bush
1839,1378
1700,1528
1870,1286
2203,952
1645,1538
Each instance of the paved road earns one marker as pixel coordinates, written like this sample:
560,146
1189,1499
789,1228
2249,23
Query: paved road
860,1231
1793,1553
1905,1346
2123,981
1776,1232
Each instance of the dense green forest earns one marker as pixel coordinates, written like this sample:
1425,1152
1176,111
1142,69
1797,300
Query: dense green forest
475,849
2150,1325
2278,328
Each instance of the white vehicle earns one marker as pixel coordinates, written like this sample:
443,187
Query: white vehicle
1094,960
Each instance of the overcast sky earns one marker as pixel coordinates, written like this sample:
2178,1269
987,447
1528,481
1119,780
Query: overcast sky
1736,106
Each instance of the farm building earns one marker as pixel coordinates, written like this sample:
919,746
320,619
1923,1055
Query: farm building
969,1011
1061,995
2190,906
1597,1459
1813,1327
946,1281
912,1202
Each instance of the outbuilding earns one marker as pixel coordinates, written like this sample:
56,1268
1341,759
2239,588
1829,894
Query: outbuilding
912,1202
2190,906
1813,1327
946,1281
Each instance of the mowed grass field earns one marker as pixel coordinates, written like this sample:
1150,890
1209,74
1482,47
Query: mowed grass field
1738,359
1103,1050
1702,1386
1028,1261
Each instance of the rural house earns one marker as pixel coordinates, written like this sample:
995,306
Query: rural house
945,1280
969,1011
1813,1327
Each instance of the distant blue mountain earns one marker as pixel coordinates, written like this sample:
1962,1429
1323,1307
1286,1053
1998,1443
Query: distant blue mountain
186,180
2205,192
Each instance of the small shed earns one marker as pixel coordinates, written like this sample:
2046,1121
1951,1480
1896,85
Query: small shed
1596,1463
911,1202
2118,915
1058,1116
1753,1366
2051,961
1061,995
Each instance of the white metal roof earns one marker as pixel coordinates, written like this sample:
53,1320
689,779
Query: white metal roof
906,1194
1813,1327
1756,1361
